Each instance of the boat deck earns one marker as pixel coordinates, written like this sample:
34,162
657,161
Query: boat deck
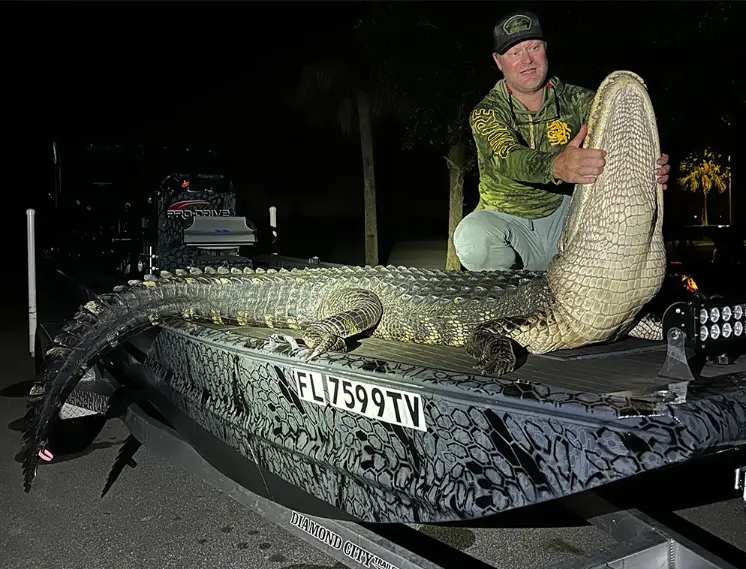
627,365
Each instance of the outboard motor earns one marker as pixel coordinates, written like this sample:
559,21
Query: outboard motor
196,224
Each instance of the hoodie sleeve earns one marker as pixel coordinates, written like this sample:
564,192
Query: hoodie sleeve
499,144
582,103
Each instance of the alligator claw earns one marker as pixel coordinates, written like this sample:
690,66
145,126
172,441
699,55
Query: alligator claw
324,344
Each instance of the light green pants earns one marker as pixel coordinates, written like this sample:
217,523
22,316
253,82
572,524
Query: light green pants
488,240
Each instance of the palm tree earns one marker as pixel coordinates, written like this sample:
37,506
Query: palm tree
353,92
460,161
702,174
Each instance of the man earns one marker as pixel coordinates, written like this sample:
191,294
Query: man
528,132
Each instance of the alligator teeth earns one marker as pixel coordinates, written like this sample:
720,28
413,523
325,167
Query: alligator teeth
210,270
223,270
236,271
248,271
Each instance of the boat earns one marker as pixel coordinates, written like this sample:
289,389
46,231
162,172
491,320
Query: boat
395,434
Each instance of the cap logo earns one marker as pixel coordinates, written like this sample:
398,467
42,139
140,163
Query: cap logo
519,23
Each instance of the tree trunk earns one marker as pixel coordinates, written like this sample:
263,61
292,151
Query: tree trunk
369,180
704,208
455,160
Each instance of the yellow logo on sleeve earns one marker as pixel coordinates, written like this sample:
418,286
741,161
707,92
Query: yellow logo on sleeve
500,139
558,132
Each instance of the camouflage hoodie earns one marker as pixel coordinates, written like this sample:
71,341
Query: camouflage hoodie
515,157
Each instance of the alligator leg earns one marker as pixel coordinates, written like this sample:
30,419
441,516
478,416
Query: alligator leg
649,328
345,313
493,343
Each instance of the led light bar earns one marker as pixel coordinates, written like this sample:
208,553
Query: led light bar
708,322
704,328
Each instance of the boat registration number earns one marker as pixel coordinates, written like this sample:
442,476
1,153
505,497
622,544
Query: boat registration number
394,406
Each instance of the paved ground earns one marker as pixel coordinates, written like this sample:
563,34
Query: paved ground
156,516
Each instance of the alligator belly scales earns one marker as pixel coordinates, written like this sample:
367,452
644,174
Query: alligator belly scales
610,263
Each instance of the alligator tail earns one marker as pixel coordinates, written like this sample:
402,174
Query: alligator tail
95,330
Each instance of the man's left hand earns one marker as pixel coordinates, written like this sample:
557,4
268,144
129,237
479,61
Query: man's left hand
663,171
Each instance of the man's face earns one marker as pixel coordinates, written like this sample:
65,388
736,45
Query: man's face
524,66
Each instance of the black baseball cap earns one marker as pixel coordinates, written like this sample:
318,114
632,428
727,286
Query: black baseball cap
514,28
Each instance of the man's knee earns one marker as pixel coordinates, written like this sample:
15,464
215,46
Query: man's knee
481,242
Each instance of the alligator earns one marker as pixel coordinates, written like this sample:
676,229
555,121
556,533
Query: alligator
610,264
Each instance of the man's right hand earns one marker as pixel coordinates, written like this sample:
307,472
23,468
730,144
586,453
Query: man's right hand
576,165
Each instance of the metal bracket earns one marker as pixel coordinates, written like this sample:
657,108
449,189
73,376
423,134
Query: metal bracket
723,359
676,366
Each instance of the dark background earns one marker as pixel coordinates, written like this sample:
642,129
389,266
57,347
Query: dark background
223,75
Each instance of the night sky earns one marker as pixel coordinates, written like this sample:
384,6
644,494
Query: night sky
224,75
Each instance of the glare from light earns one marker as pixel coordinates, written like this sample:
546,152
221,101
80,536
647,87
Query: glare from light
727,330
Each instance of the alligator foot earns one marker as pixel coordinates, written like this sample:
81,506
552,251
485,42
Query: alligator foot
322,344
493,351
649,327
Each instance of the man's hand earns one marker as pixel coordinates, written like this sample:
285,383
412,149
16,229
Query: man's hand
663,171
576,165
